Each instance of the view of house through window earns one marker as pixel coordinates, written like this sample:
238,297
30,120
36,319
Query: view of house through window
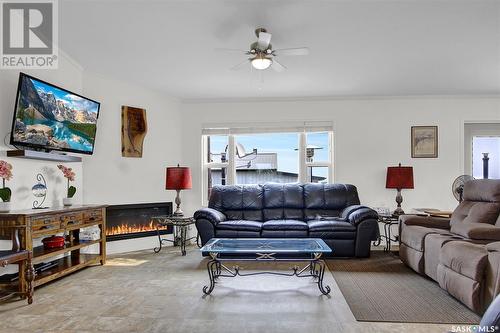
489,145
267,157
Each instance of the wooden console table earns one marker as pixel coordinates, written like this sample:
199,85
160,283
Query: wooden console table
41,223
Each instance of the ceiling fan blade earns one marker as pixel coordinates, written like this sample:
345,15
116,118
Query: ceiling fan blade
240,65
264,40
296,51
277,66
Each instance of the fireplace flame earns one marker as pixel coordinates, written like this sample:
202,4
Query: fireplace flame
131,228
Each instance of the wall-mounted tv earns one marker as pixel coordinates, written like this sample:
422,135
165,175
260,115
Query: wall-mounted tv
48,117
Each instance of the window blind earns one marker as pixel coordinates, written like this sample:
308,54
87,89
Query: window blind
261,128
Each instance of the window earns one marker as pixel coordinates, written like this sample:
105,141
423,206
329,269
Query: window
318,156
489,145
257,155
270,157
480,138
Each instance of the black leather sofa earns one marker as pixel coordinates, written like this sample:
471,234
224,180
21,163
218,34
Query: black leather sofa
328,211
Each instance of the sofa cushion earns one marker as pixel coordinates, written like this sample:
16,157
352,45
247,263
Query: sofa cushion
476,212
223,233
414,236
412,258
240,225
284,225
283,201
329,196
333,224
463,288
283,196
433,245
464,258
284,233
477,231
487,190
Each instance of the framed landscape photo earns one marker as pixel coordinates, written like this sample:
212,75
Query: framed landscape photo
424,141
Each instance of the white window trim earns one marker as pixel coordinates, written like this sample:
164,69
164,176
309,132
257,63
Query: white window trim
471,130
232,133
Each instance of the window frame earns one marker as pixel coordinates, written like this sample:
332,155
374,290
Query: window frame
471,130
231,154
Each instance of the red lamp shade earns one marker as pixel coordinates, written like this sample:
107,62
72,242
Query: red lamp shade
178,178
399,177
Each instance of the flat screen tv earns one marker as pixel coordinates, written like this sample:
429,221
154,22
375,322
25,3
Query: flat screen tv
47,117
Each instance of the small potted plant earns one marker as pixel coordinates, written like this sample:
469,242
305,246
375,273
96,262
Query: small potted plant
5,192
70,176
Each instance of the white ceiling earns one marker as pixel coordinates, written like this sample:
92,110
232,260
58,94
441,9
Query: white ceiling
358,48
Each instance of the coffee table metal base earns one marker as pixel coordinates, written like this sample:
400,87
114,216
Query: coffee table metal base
314,267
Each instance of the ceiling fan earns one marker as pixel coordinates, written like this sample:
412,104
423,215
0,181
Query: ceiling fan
262,55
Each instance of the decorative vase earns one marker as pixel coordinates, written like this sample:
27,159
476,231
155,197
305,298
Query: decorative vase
4,206
68,201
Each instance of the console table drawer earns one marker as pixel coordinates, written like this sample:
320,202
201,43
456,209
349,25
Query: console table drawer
93,215
71,220
45,223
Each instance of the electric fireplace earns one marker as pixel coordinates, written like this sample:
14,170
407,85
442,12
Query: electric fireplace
133,221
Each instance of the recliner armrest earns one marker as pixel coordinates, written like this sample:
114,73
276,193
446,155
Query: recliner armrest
425,221
358,213
477,231
210,214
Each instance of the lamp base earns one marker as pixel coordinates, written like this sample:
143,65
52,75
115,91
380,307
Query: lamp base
398,212
178,210
399,200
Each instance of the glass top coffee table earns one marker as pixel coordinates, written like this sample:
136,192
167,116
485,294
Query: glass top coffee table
223,250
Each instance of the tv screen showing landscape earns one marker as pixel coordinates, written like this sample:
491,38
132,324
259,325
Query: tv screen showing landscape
53,118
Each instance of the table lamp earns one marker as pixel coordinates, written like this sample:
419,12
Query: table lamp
399,177
178,178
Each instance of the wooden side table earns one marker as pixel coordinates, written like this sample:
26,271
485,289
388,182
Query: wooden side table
180,225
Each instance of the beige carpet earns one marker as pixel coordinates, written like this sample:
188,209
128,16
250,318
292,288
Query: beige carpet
382,288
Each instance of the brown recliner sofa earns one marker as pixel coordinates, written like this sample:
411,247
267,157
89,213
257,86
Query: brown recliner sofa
461,253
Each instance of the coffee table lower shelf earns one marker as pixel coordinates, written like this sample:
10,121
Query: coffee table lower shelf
314,267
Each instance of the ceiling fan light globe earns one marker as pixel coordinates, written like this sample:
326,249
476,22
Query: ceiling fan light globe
261,63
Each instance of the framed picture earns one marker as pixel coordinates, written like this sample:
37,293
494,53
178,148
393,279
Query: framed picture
424,141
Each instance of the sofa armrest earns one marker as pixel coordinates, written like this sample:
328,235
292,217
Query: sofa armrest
425,221
477,231
358,213
210,214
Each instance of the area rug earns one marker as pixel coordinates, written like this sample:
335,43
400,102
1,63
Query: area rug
382,288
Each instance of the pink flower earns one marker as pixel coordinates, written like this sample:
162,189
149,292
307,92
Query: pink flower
67,172
5,170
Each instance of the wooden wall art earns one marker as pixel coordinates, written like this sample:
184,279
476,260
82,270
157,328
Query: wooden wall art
134,129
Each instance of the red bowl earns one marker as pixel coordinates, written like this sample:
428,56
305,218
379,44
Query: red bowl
53,242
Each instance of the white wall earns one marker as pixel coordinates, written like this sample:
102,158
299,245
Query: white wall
69,76
110,178
370,134
106,177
